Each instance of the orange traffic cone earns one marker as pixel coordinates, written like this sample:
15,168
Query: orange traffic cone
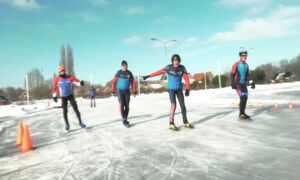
260,105
27,143
276,106
20,134
290,105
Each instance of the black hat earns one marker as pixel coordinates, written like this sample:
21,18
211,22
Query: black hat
124,63
243,52
175,56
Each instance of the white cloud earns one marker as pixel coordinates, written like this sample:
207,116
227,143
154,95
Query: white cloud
253,29
23,4
282,22
132,40
250,6
238,3
188,42
191,40
90,17
132,10
287,12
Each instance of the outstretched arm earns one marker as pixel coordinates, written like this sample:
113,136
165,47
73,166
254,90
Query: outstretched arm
75,81
157,73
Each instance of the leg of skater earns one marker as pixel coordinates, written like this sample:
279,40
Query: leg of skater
180,98
172,109
126,104
75,107
64,103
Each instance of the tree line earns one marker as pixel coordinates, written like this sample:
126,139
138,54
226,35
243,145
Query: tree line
40,88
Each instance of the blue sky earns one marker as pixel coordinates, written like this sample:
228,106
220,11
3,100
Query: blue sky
103,32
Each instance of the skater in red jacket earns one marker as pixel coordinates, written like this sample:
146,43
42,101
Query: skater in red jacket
63,85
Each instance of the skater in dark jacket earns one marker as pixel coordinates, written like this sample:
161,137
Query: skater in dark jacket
93,96
63,85
175,72
121,82
240,80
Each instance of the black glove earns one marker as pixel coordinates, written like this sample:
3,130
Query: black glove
187,92
233,86
252,84
55,99
145,77
113,94
82,83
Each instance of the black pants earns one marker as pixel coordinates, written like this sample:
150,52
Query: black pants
124,99
243,103
93,101
180,97
65,108
242,91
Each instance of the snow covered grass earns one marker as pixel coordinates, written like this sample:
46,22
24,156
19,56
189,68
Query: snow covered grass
220,146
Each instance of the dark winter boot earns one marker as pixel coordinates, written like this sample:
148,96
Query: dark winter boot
82,125
67,127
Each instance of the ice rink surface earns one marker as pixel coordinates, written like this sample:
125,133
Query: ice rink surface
219,147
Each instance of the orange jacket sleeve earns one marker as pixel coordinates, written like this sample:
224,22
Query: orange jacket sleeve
54,87
233,73
157,73
133,84
113,85
75,80
187,81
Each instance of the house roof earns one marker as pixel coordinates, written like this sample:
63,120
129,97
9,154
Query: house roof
200,76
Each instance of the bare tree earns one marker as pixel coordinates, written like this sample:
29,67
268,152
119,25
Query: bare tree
63,56
12,93
70,66
35,78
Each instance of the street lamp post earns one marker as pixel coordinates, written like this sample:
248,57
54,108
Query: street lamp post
27,89
91,79
219,73
165,43
205,81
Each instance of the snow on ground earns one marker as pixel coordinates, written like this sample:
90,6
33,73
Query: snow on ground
219,147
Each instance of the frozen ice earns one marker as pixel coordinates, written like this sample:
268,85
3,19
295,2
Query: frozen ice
219,147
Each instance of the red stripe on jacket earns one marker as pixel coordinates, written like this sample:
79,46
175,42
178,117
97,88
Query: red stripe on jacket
187,81
113,85
58,78
133,84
